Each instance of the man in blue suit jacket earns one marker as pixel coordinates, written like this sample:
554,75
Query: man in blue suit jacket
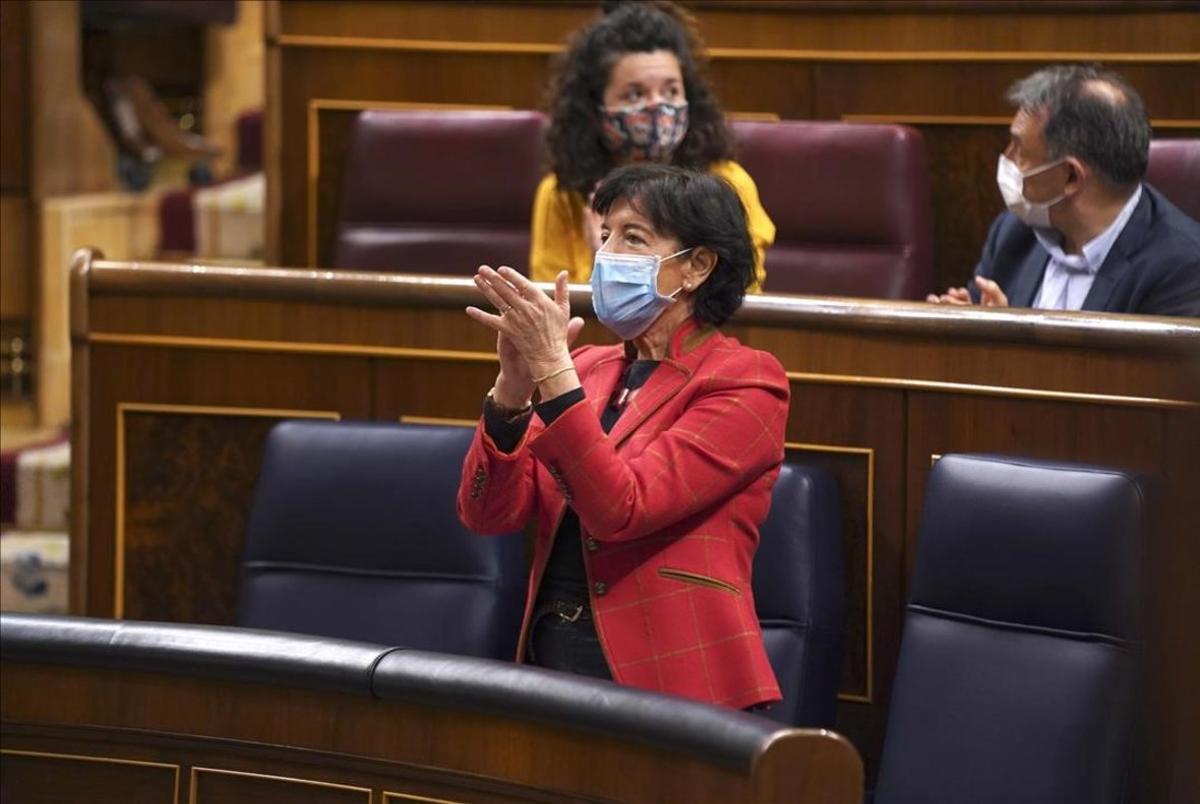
1082,232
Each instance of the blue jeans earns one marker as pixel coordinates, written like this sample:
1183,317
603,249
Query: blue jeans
562,636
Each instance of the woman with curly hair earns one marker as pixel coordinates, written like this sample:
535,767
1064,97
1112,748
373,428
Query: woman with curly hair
629,89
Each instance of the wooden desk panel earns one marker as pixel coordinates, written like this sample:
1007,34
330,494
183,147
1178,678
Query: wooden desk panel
179,370
126,736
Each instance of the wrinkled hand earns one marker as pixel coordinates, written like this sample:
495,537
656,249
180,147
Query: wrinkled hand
990,295
534,333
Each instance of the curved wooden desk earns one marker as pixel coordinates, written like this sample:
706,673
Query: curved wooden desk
101,710
179,370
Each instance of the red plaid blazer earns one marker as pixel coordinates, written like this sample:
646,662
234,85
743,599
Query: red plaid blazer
669,504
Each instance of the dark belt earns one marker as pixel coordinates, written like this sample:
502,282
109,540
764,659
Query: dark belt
568,607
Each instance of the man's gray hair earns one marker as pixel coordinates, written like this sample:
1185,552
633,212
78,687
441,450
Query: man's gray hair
1091,114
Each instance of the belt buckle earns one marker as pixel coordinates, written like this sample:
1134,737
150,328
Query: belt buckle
562,609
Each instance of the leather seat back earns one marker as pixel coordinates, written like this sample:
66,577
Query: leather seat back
439,192
354,534
1017,664
851,206
799,593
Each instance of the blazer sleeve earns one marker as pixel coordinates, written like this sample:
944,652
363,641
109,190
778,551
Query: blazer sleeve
731,433
1177,292
986,267
496,493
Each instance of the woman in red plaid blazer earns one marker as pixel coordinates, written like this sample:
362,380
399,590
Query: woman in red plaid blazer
648,466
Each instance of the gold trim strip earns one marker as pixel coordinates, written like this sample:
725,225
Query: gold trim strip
460,355
755,117
101,760
406,419
313,134
739,53
196,771
389,796
357,105
313,144
291,347
869,452
152,407
988,390
976,120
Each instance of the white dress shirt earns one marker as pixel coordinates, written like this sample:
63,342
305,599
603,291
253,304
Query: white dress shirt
1069,277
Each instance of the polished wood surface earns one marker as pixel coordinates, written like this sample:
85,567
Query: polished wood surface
137,736
179,369
942,68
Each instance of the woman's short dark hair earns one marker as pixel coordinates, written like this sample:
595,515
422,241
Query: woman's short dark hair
697,209
578,155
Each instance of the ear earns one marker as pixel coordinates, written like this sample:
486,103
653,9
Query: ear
1078,172
699,268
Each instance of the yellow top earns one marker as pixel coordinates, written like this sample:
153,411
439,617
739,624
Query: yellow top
561,242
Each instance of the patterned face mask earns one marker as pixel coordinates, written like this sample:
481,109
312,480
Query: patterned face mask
648,133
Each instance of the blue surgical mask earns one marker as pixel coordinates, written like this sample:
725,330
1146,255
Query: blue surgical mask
625,291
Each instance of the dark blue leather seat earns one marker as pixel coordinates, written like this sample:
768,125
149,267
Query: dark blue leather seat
354,535
1017,665
800,594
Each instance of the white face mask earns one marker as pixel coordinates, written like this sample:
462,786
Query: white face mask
1012,186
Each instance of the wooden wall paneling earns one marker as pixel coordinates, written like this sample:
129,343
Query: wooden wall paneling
774,25
328,133
965,198
1108,435
273,136
16,257
14,96
177,551
433,21
948,88
750,86
31,775
446,388
219,786
124,226
832,418
957,362
166,423
1175,599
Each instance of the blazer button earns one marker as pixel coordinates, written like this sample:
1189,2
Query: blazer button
600,589
591,544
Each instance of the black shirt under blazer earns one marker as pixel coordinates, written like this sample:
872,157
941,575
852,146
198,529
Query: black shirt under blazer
1152,269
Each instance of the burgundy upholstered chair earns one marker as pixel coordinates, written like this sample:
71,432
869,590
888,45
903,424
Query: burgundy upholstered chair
439,192
851,206
1175,172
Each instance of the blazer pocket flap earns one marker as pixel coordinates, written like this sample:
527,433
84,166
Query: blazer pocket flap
697,579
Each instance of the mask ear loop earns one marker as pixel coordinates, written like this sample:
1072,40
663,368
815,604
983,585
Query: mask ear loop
675,293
